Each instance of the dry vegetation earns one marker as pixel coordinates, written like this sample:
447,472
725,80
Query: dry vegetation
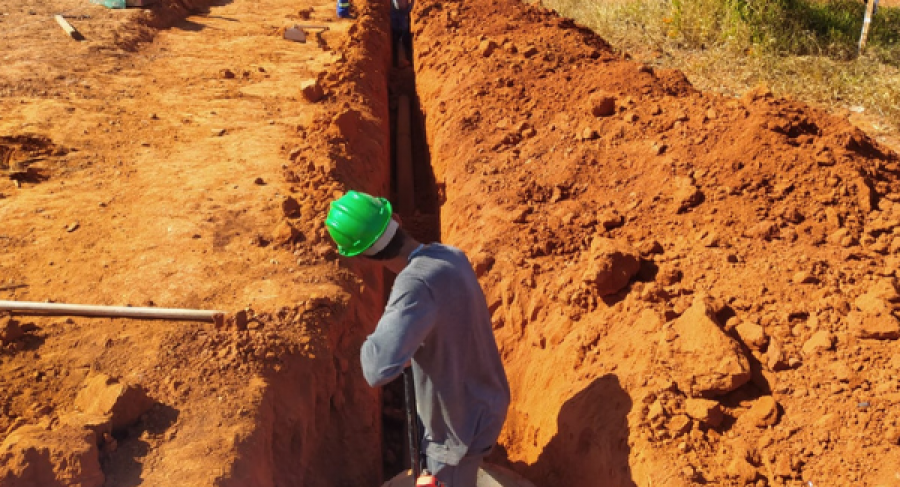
800,50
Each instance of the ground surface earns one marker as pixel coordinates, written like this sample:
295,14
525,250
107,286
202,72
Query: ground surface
146,169
686,288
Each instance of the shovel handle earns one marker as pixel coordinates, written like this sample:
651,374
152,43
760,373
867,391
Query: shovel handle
412,422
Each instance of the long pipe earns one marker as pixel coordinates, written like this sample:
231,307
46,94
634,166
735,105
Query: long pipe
110,311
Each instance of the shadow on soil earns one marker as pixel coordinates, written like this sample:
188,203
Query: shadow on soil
188,25
124,466
174,16
591,443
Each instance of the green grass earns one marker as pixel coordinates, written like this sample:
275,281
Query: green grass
805,49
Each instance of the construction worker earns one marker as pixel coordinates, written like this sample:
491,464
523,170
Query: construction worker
343,9
401,38
436,321
400,24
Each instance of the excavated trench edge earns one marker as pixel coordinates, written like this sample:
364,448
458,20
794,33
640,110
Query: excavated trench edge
290,445
416,201
347,418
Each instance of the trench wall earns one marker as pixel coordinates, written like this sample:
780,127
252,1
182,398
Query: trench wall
319,423
480,98
603,203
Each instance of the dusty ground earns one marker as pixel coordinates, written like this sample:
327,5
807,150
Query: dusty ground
686,288
151,173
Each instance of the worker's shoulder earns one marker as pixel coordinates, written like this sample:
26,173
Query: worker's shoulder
434,260
444,252
438,248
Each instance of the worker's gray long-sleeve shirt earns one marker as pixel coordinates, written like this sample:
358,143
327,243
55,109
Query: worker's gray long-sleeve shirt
437,316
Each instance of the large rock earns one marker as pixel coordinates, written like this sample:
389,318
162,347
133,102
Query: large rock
819,342
706,411
347,123
122,403
873,304
312,90
742,471
881,298
882,326
885,289
9,330
686,194
705,361
285,234
97,424
753,335
876,316
38,456
612,265
603,104
487,47
763,413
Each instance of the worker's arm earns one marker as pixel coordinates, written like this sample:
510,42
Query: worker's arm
407,320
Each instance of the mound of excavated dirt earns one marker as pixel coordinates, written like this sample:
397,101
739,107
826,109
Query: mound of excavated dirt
686,288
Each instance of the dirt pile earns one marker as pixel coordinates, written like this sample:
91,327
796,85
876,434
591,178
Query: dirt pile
687,288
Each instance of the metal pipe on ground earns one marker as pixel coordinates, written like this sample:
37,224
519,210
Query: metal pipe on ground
109,311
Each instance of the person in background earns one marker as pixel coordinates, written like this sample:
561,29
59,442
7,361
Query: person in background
400,30
343,9
437,322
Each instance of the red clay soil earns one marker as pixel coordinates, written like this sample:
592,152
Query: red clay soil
149,165
686,288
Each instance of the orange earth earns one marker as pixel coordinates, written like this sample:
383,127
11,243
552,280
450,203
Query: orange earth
686,288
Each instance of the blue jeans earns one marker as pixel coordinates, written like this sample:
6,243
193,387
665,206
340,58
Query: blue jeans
462,475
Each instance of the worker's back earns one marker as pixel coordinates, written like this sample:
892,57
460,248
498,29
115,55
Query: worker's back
439,308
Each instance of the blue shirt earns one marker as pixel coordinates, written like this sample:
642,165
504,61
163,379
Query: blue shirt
400,15
437,317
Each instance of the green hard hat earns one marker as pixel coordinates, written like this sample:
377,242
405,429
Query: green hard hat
356,220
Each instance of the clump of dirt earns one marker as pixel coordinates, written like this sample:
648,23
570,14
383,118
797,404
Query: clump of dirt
686,288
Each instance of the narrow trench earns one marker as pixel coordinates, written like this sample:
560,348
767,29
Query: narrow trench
415,196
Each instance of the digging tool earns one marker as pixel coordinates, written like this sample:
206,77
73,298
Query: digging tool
422,476
412,422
